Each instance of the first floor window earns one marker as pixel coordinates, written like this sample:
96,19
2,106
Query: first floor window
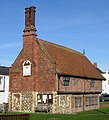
92,83
66,81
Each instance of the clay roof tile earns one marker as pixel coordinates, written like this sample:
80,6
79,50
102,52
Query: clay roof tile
71,62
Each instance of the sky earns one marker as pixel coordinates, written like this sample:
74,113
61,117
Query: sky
76,24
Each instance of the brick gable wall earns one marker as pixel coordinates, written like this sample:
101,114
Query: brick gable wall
46,73
43,71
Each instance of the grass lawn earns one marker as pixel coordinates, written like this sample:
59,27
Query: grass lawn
106,102
98,114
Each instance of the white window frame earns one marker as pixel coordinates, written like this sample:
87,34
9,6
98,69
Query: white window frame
27,68
2,83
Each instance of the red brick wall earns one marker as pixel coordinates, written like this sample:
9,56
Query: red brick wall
43,71
46,73
79,85
97,86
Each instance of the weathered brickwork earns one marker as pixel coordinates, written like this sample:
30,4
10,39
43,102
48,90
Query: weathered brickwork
80,85
46,73
43,87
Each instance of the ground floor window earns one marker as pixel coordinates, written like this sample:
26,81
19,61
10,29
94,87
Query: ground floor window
45,98
78,102
91,100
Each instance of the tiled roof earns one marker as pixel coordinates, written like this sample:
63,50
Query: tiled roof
70,62
4,70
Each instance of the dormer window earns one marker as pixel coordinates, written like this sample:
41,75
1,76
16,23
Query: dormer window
26,68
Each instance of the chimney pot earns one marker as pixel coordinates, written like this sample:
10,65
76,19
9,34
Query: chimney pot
32,16
33,7
27,17
30,19
95,64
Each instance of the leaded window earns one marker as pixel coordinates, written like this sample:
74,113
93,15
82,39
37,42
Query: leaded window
78,102
91,100
92,82
66,81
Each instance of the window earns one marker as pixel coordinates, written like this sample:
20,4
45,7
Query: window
90,101
39,98
45,98
87,101
78,102
92,83
66,81
26,68
93,100
2,83
0,80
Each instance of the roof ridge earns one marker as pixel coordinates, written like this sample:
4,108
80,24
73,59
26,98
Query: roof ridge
66,48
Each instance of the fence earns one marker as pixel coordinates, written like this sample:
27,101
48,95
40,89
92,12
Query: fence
14,117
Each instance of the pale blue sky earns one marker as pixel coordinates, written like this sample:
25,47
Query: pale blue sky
77,24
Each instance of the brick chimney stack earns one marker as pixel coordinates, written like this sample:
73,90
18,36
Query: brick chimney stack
30,21
29,36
